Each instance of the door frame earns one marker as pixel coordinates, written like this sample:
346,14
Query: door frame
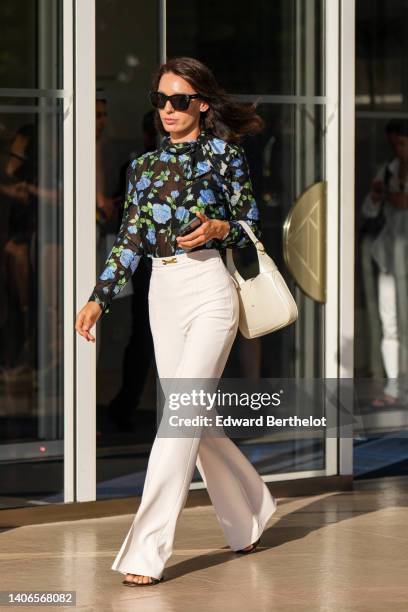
80,233
346,217
79,252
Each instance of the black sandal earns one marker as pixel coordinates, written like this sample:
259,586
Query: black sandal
246,552
132,583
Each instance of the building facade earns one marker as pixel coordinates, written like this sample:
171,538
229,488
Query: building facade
75,75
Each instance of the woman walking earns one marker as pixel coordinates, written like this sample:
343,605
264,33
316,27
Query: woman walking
199,172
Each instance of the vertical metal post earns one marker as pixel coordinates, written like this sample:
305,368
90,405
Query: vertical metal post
68,259
331,320
162,31
85,233
346,188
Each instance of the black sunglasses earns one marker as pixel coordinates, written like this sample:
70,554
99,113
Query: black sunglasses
180,102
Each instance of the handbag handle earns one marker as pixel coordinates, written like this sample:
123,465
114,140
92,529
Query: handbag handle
265,262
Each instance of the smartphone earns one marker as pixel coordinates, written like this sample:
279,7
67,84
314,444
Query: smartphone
189,227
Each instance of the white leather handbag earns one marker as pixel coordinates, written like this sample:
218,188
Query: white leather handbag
265,302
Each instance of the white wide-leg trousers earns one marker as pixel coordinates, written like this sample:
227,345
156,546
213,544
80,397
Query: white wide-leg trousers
194,312
387,297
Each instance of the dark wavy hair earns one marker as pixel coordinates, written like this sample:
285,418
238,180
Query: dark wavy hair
225,118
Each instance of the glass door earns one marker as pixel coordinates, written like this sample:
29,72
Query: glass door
34,115
381,322
286,53
124,129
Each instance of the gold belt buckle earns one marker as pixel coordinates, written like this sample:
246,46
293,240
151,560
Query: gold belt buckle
172,260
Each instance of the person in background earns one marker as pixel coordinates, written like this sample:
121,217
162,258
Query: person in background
386,208
19,173
107,207
139,351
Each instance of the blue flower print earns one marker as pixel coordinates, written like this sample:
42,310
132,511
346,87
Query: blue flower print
217,145
143,183
253,212
126,257
108,273
161,213
151,236
203,167
165,187
207,196
181,212
134,262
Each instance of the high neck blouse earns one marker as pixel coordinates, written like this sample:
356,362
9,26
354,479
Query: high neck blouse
164,189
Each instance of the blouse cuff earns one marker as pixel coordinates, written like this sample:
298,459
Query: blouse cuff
236,237
94,297
226,233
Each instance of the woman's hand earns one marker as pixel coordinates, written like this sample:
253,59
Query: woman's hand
86,319
209,229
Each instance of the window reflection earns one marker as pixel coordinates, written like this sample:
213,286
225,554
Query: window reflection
31,241
258,47
31,325
126,391
381,279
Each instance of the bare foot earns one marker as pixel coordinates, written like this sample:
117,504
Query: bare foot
138,578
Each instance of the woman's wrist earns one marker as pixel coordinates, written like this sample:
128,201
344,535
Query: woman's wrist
224,230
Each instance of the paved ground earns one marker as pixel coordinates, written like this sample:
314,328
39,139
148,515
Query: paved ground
340,552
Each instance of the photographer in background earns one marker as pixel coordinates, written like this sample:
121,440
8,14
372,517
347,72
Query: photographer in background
386,212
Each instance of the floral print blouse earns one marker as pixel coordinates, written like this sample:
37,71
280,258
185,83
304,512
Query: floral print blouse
164,189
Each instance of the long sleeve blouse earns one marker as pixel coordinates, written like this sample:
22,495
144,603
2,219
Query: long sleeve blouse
164,189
